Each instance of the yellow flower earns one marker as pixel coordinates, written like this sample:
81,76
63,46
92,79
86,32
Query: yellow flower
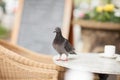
109,7
99,8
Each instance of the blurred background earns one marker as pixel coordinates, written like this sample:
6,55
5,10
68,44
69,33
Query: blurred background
40,17
7,13
93,23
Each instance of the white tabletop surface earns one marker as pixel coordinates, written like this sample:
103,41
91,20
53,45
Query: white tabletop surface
90,62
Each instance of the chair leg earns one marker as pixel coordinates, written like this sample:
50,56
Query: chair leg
103,76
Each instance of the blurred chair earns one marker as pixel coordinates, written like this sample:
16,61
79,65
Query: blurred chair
17,21
36,27
20,63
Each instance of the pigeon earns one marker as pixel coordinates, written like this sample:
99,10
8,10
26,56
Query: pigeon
62,45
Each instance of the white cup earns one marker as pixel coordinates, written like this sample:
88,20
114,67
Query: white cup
109,50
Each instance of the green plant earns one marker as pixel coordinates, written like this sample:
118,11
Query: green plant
103,13
3,32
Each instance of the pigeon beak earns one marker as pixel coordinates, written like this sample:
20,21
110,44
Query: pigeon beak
54,31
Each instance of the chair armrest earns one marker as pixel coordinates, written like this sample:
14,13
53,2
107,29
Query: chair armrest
28,57
13,70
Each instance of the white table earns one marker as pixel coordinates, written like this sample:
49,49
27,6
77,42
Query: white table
91,62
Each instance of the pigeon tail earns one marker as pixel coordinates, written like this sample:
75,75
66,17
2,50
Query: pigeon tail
72,52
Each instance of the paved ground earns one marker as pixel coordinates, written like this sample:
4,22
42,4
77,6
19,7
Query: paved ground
39,19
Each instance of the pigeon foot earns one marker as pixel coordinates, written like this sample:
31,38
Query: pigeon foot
65,59
59,59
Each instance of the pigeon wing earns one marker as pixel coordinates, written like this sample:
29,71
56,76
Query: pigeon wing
68,47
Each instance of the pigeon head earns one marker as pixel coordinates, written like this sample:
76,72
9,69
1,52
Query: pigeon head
57,30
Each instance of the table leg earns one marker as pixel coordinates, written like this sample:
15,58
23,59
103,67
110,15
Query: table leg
103,76
78,75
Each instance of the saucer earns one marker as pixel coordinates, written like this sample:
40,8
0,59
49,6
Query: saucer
107,56
118,58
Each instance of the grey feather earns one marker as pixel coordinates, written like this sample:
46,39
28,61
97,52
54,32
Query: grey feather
62,45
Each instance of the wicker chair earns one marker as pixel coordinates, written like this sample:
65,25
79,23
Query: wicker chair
20,63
